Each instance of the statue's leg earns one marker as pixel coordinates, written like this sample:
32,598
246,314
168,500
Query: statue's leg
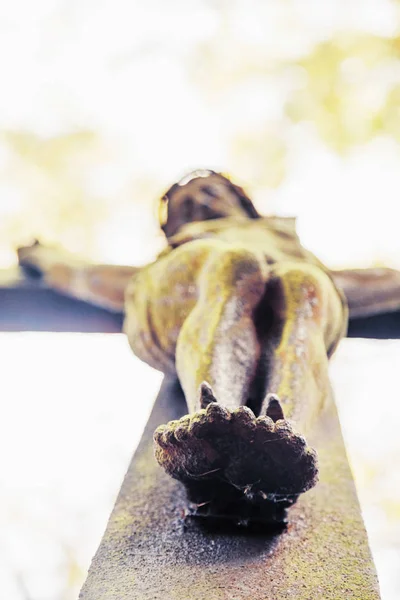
222,445
312,318
218,343
102,285
369,291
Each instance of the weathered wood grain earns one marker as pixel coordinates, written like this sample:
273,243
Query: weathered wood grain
150,551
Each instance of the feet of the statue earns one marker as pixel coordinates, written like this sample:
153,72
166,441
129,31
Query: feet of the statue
217,451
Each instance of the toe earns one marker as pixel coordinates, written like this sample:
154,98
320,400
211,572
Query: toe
274,408
283,427
299,444
310,457
182,429
217,413
197,427
206,395
169,432
243,417
158,436
265,424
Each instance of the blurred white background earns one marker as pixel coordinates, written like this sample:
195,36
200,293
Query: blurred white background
105,103
102,106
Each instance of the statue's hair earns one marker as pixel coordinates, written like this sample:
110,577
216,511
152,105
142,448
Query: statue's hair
244,200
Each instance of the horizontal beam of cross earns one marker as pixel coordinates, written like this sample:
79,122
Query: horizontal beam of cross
28,305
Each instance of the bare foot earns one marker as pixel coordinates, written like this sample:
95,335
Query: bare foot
261,458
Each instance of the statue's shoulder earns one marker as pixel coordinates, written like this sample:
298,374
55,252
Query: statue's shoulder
231,228
203,228
280,224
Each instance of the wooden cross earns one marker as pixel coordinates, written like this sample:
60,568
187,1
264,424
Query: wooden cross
247,318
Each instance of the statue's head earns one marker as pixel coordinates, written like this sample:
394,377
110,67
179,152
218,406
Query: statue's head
201,196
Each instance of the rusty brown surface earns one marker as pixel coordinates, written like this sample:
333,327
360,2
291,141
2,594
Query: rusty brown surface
150,551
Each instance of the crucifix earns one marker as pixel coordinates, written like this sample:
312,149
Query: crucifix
247,319
242,320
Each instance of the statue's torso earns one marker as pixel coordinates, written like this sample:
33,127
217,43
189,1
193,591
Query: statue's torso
163,293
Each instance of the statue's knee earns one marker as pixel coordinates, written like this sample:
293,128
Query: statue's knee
304,281
308,288
305,292
242,272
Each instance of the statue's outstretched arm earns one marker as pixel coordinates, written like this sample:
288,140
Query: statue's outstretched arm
101,285
369,291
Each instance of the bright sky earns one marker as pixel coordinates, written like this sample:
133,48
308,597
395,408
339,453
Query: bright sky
134,74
